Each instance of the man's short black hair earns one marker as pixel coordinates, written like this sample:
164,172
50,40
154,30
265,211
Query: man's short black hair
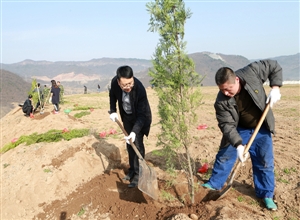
125,72
30,96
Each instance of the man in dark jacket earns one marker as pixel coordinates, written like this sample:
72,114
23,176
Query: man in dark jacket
239,106
135,113
27,106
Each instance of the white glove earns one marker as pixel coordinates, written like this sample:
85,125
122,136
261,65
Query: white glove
274,96
240,151
131,136
113,116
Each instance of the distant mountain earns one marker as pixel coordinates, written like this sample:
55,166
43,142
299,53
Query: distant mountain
207,64
290,66
13,89
104,67
74,75
16,78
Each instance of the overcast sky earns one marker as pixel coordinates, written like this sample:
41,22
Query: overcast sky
84,30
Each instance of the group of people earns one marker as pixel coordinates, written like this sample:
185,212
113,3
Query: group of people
239,105
54,93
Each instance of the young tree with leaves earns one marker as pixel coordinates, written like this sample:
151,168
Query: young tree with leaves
176,83
35,97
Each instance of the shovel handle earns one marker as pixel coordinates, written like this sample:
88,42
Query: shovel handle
131,143
238,165
261,120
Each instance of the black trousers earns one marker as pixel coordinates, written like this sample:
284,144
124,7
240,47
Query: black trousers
28,110
37,105
128,123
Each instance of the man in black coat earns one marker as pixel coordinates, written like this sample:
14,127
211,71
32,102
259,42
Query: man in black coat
135,113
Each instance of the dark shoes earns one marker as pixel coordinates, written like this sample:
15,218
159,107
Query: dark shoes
134,182
134,179
129,176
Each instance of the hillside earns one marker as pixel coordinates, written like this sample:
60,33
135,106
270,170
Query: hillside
13,90
75,75
100,71
82,178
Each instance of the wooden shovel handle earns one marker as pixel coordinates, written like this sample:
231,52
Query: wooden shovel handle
261,120
131,143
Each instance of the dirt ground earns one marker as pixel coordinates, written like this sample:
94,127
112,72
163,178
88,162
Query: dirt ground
82,178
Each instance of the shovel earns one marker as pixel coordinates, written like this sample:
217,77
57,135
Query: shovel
147,176
230,180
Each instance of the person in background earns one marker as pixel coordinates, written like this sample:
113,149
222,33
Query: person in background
135,113
98,88
28,106
239,106
85,90
61,94
54,96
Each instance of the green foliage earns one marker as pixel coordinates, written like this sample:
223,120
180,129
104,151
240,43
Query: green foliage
81,212
49,136
35,96
283,181
81,114
82,108
287,171
294,169
207,175
175,81
240,198
167,196
5,165
47,170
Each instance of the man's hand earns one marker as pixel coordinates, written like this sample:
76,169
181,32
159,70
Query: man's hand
273,96
131,136
240,151
113,116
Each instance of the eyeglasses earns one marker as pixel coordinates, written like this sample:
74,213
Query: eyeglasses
127,86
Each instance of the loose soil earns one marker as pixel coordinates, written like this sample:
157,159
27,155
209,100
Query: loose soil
82,178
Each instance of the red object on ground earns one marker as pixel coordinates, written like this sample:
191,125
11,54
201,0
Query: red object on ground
201,127
102,134
112,131
14,140
91,109
203,169
65,130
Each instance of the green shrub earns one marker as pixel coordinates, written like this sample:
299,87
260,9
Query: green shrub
49,136
81,114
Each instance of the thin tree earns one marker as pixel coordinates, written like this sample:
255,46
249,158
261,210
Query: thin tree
176,83
35,97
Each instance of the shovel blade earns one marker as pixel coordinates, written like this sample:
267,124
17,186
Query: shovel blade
147,180
224,192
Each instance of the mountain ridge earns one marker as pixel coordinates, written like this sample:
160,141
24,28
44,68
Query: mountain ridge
74,75
206,64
